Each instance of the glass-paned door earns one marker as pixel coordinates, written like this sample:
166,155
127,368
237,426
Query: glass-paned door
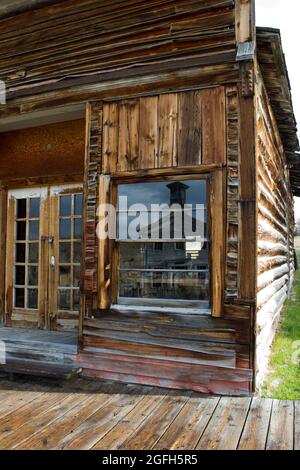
24,276
66,211
44,257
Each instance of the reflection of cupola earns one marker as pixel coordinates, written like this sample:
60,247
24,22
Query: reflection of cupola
178,193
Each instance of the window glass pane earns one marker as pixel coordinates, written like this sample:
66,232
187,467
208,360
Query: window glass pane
34,205
65,229
64,300
77,252
77,228
65,252
21,230
185,256
33,276
33,256
20,276
21,208
65,206
20,252
163,269
65,279
32,298
34,227
19,298
78,204
164,285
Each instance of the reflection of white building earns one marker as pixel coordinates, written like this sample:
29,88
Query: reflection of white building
182,264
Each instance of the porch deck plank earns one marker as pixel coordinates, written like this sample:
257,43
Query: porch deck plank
226,425
157,423
257,425
130,423
186,429
102,421
38,414
281,434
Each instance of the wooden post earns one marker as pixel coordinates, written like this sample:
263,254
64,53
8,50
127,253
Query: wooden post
104,251
217,205
3,217
245,20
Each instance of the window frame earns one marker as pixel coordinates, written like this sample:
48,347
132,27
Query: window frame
182,306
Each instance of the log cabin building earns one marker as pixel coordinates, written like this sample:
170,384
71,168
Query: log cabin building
146,99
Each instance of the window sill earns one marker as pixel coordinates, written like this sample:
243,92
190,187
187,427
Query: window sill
157,309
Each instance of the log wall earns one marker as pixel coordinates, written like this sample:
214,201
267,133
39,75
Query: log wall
275,231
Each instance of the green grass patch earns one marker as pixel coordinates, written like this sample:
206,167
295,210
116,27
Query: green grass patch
283,380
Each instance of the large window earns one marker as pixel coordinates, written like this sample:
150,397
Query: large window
163,239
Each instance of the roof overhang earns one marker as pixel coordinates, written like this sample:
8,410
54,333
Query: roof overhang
272,63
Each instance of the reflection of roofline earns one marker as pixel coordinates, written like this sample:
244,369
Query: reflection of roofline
273,66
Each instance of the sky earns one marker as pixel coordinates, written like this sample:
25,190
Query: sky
285,15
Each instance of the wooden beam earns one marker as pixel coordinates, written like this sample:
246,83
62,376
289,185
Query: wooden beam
217,210
245,21
248,200
104,250
3,228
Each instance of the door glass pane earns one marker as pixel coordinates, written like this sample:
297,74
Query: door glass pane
21,208
77,228
21,230
34,208
19,298
33,276
20,252
20,275
77,252
76,300
34,227
65,279
32,298
65,252
64,299
65,206
33,255
78,204
65,229
76,276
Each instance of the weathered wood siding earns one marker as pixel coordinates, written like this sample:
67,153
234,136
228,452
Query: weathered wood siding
164,131
80,37
275,230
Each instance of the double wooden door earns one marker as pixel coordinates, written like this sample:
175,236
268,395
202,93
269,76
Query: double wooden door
43,257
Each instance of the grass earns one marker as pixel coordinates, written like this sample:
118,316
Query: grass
283,380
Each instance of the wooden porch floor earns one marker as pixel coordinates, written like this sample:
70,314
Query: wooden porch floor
96,415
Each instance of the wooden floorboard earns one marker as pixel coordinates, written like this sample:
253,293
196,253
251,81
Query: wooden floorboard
81,414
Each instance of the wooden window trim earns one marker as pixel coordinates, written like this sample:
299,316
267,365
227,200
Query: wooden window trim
108,249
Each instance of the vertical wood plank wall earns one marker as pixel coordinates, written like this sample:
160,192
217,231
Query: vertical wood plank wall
275,231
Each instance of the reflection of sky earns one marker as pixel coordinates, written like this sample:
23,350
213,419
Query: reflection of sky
150,225
159,193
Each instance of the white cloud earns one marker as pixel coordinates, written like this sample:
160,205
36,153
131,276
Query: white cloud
284,15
